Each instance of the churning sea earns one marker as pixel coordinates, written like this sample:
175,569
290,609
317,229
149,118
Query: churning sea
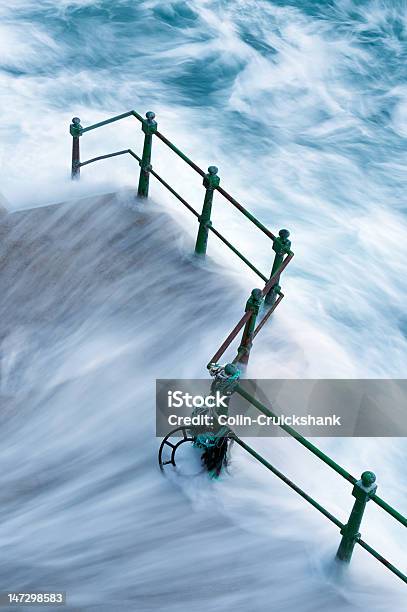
302,105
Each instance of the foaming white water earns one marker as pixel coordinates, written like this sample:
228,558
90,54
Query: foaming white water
89,319
303,112
292,124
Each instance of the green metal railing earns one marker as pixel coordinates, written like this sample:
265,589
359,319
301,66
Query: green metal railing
261,302
264,300
363,490
254,305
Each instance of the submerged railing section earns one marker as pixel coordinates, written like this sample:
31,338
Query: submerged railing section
262,301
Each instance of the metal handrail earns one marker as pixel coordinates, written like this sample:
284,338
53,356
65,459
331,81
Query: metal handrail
132,113
230,338
107,121
320,454
95,159
249,314
281,245
183,201
387,508
186,159
318,506
246,213
289,482
292,432
180,153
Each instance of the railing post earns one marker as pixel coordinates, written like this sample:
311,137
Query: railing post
281,246
214,441
363,490
75,130
149,127
210,182
253,305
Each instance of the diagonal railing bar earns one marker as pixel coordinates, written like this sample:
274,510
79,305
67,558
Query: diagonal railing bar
232,248
380,558
318,506
180,154
107,121
289,482
281,244
137,116
268,314
320,454
246,213
230,338
387,508
95,159
292,432
133,154
174,193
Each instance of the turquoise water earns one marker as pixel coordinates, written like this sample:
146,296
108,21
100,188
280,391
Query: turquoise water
303,107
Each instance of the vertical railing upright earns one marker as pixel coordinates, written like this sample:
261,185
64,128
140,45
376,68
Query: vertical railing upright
281,247
76,131
149,127
210,182
253,306
363,490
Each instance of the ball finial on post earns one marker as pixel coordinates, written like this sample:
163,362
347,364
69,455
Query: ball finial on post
284,234
368,479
